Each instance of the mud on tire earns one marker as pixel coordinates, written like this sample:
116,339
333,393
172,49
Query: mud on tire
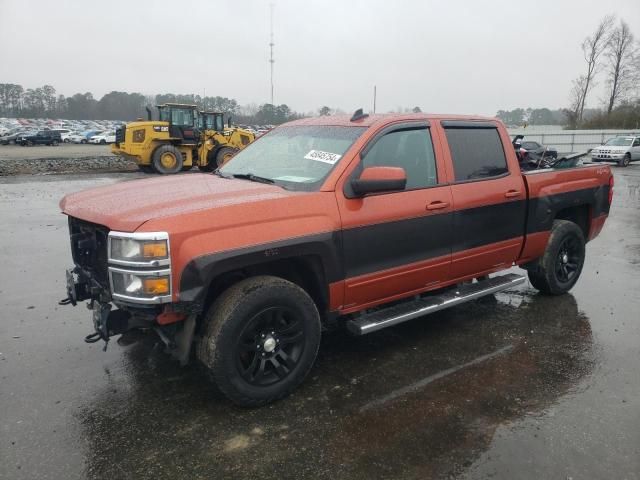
559,268
259,340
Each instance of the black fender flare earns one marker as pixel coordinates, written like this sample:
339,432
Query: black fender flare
200,272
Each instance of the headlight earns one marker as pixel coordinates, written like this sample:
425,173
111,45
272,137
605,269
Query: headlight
134,259
141,286
139,249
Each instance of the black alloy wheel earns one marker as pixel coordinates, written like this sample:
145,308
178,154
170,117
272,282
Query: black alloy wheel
559,268
270,346
259,339
568,259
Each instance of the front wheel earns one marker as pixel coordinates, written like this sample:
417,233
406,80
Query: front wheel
83,141
224,155
624,162
559,268
260,339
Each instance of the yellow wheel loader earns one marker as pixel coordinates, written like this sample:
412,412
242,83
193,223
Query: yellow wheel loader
181,138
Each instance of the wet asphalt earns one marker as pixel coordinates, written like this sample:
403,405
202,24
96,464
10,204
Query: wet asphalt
514,386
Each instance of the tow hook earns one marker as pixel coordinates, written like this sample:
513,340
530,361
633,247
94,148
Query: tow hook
107,323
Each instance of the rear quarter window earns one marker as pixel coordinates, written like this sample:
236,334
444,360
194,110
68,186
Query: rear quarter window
476,153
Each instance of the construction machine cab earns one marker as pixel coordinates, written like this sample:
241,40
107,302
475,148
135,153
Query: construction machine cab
211,121
183,121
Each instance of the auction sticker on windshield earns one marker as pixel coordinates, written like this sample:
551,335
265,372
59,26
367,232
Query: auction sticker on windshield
325,157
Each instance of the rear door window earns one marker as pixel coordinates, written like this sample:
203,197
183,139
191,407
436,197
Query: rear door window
477,153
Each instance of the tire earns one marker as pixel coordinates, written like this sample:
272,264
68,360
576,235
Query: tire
167,160
624,162
66,140
54,143
102,142
224,155
260,339
83,142
560,266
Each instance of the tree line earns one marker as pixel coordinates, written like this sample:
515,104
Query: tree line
611,55
44,102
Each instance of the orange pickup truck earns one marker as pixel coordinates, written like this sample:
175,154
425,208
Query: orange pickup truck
359,222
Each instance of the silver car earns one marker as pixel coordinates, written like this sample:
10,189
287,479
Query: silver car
622,150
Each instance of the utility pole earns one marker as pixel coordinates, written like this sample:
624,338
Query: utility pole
374,99
271,60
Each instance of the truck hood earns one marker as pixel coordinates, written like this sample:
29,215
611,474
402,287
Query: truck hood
125,206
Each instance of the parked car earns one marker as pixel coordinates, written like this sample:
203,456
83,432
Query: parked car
43,137
66,137
103,138
77,138
13,135
355,222
622,150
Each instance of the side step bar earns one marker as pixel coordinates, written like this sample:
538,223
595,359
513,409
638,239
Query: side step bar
379,319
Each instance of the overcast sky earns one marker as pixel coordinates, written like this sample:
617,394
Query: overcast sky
444,56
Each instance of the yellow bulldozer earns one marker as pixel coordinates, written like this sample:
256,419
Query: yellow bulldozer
181,138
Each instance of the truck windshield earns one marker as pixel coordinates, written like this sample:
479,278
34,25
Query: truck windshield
619,142
296,157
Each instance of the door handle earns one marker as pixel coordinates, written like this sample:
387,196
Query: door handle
437,205
512,193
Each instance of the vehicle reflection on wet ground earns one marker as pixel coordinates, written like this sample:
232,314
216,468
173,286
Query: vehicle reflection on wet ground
513,386
365,411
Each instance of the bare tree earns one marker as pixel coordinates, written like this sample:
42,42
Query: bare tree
576,100
592,48
620,53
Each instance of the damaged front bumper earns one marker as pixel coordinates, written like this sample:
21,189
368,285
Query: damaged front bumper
173,324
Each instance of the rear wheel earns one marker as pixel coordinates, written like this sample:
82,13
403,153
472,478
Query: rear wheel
103,142
167,159
260,339
559,268
54,143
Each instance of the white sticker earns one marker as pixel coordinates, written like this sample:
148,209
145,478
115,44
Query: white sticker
325,157
293,178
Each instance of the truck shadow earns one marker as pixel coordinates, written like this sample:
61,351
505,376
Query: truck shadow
422,399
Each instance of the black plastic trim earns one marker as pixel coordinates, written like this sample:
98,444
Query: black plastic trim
467,124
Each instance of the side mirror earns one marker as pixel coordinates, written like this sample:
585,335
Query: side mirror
379,179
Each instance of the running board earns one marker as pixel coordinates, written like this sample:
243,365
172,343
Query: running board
379,319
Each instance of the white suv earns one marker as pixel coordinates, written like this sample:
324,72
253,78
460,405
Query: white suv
103,138
623,150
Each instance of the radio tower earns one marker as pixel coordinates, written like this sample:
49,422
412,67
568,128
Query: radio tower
271,60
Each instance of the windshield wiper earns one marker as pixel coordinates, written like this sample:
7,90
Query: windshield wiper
252,177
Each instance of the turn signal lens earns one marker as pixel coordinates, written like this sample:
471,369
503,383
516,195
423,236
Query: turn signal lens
156,286
154,249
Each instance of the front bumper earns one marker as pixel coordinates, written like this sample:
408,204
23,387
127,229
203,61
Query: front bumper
607,157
